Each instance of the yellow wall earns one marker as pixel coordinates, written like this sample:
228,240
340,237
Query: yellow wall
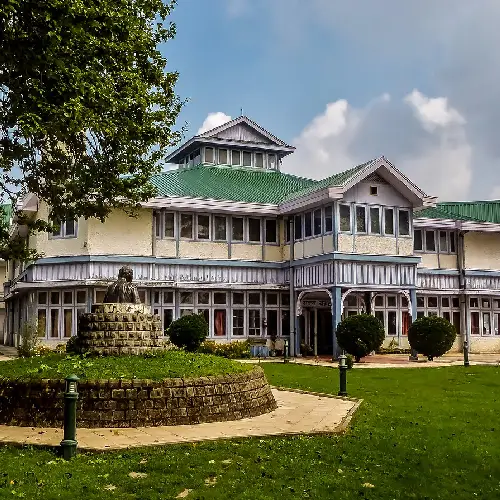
448,261
328,243
484,345
165,248
482,250
286,252
121,234
273,253
55,247
202,250
375,245
345,243
405,246
313,246
429,261
298,250
246,252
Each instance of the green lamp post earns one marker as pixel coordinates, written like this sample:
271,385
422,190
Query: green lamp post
343,375
69,443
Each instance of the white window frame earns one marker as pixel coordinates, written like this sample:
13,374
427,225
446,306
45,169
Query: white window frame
350,231
364,207
243,152
246,222
228,159
213,227
276,242
379,209
193,226
332,218
384,216
197,237
241,158
213,155
399,210
62,232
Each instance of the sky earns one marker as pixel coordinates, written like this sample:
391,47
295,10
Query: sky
417,81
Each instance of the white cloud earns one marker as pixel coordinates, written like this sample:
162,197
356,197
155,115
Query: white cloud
422,136
213,120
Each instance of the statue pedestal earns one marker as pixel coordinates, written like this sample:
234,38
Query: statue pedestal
120,329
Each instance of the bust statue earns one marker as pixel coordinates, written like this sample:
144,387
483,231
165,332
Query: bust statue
122,290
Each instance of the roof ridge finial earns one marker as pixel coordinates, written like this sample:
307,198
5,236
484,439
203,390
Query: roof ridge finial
241,111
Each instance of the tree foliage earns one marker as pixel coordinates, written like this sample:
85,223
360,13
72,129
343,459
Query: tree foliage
432,336
188,332
87,108
360,334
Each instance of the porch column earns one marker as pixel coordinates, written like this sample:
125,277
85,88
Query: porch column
298,336
413,300
336,292
315,331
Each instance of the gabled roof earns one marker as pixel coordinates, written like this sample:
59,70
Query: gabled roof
240,132
479,211
229,183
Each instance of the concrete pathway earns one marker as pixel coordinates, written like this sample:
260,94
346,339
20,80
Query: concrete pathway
298,412
7,352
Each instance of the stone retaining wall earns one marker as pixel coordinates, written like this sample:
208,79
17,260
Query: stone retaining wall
138,403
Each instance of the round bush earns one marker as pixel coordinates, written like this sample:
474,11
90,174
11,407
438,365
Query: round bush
431,336
188,332
361,334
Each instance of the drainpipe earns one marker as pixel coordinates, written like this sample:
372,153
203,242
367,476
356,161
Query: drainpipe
291,233
464,306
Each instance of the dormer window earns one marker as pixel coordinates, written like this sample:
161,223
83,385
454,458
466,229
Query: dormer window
235,157
223,157
259,160
271,162
247,159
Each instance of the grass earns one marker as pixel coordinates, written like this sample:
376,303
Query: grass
165,365
428,433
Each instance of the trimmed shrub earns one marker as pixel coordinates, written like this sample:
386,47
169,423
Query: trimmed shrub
188,332
73,345
232,350
431,336
360,334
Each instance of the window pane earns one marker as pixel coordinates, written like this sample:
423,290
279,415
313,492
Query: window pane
317,222
271,162
99,296
237,229
389,221
375,220
380,316
42,322
259,160
447,316
455,302
54,323
209,155
453,247
285,299
445,302
417,239
328,219
405,322
220,298
238,322
430,241
391,301
81,297
169,225
298,227
238,298
223,156
443,241
68,322
247,159
486,324
70,228
360,219
432,302
187,226
379,301
254,298
186,297
456,321
345,217
186,312
391,323
474,302
67,297
156,297
220,226
285,322
219,322
168,317
54,297
206,314
287,230
235,157
168,297
254,322
42,297
485,303
254,230
271,231
474,323
271,299
352,300
307,224
496,321
420,302
404,222
203,297
272,322
203,227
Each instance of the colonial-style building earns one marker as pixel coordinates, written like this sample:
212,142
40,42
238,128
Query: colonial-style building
260,252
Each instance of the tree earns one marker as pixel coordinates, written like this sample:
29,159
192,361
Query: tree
188,332
360,334
432,336
86,106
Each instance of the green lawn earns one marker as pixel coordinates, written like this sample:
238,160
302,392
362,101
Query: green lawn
163,365
429,433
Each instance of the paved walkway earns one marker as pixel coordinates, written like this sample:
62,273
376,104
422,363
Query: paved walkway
297,413
7,352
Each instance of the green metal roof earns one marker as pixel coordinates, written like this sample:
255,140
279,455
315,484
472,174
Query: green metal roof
230,183
243,184
479,211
